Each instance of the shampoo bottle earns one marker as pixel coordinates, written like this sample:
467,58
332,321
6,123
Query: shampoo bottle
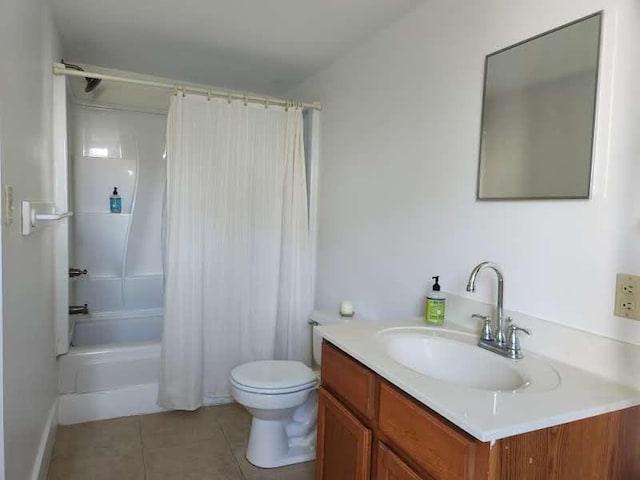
434,313
115,202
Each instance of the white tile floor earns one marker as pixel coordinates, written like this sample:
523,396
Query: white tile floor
202,445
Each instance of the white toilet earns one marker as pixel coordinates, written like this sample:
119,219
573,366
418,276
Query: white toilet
281,396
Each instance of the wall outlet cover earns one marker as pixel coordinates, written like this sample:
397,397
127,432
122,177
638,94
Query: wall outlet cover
627,296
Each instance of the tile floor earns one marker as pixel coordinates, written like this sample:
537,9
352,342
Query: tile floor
202,445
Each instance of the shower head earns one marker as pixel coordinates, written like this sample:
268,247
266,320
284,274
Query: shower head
92,83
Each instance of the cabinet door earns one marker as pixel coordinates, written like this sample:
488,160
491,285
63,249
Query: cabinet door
390,467
344,444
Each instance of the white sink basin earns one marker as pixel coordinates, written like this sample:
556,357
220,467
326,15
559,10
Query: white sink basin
454,357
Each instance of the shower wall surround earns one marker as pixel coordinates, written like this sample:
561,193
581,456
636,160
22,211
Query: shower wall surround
122,252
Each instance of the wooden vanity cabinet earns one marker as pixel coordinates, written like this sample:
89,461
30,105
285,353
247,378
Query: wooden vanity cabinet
369,429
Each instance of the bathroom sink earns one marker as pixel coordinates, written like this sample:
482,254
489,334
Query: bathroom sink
454,357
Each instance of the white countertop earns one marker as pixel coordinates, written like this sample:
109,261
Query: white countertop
485,414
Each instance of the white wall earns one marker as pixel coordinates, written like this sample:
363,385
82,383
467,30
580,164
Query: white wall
28,45
400,135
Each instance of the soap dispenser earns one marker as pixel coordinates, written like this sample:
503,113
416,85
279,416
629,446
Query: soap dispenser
434,313
115,201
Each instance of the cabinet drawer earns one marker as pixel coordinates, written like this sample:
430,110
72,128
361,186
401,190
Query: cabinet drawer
391,467
430,442
348,380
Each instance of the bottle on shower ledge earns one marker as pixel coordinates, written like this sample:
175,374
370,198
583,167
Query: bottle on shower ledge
115,201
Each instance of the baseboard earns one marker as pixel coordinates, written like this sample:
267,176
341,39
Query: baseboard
122,402
43,456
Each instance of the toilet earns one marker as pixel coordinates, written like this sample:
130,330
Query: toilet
281,396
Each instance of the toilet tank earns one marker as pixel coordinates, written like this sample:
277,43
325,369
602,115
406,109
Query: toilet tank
323,318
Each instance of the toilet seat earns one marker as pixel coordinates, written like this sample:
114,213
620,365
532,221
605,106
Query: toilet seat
273,377
271,391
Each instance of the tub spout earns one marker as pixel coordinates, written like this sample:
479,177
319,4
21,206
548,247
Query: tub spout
79,309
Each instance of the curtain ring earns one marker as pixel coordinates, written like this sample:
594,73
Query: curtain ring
208,95
229,98
175,91
184,92
266,102
246,101
286,106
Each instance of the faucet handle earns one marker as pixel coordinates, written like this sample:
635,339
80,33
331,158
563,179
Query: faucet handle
515,328
514,341
486,334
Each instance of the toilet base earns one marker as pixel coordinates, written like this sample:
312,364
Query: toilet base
270,447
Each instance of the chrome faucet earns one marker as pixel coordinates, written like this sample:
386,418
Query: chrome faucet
496,340
76,272
499,336
79,309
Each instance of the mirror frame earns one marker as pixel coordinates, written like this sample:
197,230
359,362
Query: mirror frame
600,15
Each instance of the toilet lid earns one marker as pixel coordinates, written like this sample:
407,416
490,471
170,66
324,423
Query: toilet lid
273,374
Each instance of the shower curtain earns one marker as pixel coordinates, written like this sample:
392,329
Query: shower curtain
238,260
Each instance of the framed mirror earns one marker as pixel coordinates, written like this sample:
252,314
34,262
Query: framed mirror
538,115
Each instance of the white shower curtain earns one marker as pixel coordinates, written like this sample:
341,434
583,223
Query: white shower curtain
238,260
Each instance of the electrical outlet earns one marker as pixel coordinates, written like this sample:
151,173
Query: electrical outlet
628,305
627,296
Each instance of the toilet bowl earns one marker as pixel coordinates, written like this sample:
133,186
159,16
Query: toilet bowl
282,399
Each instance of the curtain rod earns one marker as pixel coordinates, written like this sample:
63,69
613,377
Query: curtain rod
60,69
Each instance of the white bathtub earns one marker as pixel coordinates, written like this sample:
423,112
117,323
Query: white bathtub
122,329
112,368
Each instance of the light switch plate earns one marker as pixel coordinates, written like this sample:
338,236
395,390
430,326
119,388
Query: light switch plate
7,201
627,296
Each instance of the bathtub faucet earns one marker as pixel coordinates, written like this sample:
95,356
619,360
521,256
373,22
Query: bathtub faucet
76,272
79,309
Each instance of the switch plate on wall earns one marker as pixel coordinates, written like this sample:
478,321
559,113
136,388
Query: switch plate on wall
627,296
8,205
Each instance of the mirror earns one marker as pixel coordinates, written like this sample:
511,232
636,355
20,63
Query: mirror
538,115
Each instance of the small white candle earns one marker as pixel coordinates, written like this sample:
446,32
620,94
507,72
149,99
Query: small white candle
346,308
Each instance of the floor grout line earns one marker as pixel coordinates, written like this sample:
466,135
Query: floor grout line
144,465
235,459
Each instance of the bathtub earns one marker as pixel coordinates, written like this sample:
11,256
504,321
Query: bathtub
112,367
118,329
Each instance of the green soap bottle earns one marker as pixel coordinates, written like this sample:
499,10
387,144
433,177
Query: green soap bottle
434,313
